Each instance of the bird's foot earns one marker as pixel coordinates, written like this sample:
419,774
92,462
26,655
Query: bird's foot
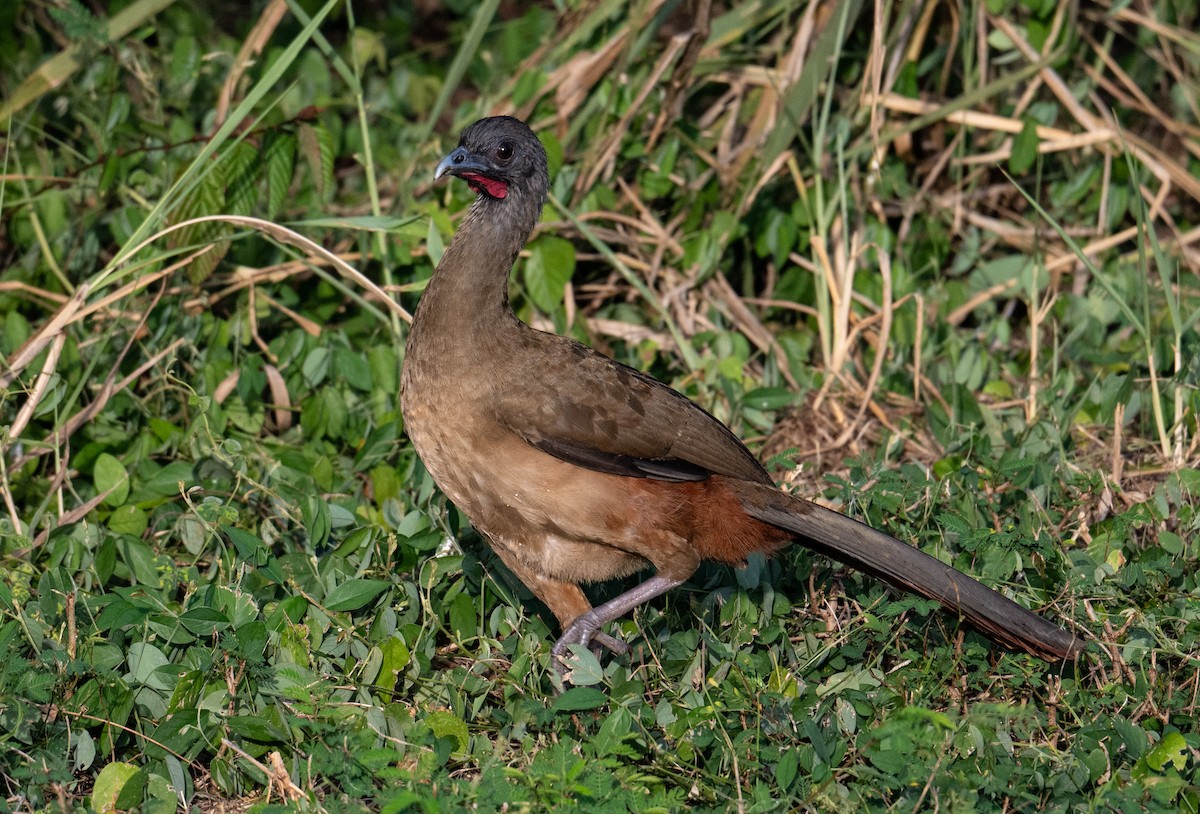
614,645
586,631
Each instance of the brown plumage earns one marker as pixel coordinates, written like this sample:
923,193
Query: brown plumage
578,469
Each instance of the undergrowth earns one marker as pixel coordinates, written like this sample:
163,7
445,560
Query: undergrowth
938,262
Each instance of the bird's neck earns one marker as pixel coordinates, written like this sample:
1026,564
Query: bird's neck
466,302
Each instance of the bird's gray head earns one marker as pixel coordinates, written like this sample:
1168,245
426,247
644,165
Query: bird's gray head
499,157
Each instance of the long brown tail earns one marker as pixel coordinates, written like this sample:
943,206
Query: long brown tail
870,550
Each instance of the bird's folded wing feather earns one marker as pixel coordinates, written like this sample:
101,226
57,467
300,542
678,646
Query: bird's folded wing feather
611,418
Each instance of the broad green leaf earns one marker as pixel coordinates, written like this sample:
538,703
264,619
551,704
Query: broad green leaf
325,415
256,728
144,659
160,796
384,368
279,156
204,621
551,264
1024,149
252,638
249,547
109,473
1170,542
243,170
141,562
317,519
128,519
1172,749
316,145
118,613
111,782
464,616
585,668
316,365
448,725
770,398
207,198
395,658
85,749
786,768
354,593
353,366
850,680
580,698
168,481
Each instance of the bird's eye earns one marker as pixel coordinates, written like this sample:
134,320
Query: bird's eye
504,151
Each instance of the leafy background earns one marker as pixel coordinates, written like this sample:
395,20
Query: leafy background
938,262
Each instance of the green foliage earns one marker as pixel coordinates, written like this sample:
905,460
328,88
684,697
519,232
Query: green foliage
228,579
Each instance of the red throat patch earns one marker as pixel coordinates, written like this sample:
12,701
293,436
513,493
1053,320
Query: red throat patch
488,186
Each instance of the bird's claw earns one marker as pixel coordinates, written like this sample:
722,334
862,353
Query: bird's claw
585,631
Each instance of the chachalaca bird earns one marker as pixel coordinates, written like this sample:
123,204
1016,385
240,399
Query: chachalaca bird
578,469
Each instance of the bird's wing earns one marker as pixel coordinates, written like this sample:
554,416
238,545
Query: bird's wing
585,408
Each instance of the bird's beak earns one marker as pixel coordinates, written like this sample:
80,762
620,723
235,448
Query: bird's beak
458,162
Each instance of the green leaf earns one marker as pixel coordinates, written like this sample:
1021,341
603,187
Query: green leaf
294,681
354,593
1024,149
249,547
279,155
128,519
786,768
85,749
433,242
204,621
242,172
256,728
317,519
109,473
464,616
770,398
585,668
168,481
316,145
207,198
448,725
551,264
850,680
384,368
140,559
252,638
955,523
144,660
354,368
316,365
160,796
119,613
1171,543
395,658
554,151
111,784
580,698
1171,749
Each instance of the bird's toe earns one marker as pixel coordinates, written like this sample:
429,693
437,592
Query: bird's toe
585,631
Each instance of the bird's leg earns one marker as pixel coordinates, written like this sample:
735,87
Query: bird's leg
585,629
564,599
